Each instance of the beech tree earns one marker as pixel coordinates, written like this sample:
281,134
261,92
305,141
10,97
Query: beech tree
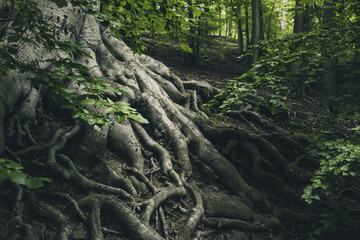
67,114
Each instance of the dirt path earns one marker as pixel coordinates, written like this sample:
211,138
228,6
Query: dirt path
216,66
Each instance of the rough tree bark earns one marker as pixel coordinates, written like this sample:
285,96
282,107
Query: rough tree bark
256,29
178,177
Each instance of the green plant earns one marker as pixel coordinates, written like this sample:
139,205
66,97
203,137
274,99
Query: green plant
10,170
339,157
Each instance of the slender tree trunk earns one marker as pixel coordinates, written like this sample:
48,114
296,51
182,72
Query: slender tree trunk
283,15
299,17
298,28
220,25
247,31
226,25
240,36
308,19
230,26
330,65
237,11
256,29
262,26
193,41
270,19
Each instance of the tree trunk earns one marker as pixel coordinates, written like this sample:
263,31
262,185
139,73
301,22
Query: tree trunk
220,25
240,35
237,11
193,36
283,15
256,29
299,26
299,17
247,31
270,20
262,26
330,65
133,181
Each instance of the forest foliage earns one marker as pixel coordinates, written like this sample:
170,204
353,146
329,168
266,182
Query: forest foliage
293,61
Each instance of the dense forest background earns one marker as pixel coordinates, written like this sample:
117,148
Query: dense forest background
281,74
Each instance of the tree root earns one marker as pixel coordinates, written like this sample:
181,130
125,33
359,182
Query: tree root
204,89
195,217
256,119
272,224
53,214
163,154
124,215
154,202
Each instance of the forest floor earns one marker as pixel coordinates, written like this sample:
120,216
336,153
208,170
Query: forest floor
222,62
225,62
217,65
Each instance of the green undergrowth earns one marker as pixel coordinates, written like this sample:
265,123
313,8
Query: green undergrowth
10,170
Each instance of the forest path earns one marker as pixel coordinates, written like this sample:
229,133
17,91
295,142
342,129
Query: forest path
218,63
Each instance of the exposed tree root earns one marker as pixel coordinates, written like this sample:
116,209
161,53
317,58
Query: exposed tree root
195,217
243,225
123,214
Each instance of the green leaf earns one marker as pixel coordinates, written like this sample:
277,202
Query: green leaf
97,128
69,90
121,118
138,118
18,177
13,165
186,48
36,182
110,110
4,173
197,12
86,102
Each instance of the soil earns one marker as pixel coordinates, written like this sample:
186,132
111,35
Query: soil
217,65
304,114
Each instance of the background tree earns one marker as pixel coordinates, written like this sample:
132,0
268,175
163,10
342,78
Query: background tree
236,6
256,28
330,65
